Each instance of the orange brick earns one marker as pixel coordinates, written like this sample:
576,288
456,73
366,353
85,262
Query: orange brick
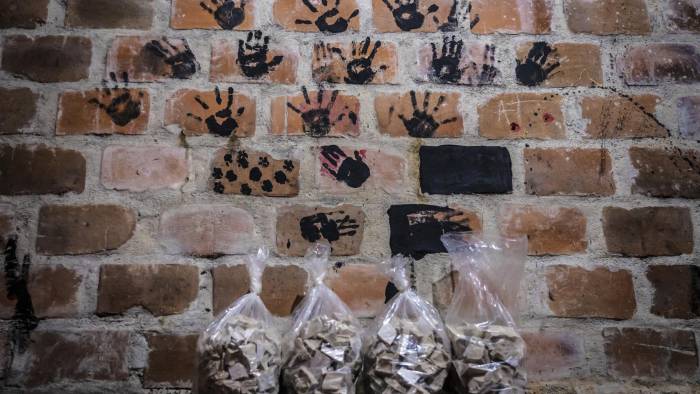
343,169
558,65
622,117
361,286
249,172
577,172
213,14
522,115
416,16
604,17
198,112
314,15
511,16
316,114
549,229
419,114
280,65
147,59
453,61
357,62
116,110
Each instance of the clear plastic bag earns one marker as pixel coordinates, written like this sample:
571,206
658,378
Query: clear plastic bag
481,318
408,350
240,351
324,355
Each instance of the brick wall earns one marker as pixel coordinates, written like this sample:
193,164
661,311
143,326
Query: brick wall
144,149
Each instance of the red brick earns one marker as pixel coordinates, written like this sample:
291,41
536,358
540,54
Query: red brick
81,355
578,292
386,170
666,172
230,283
109,14
123,287
652,64
341,16
605,17
332,61
683,15
646,352
53,289
522,115
253,173
142,168
103,111
171,361
225,66
648,231
549,229
342,115
184,109
552,354
361,286
23,14
38,169
476,67
511,16
47,58
443,107
206,230
151,58
83,229
577,172
689,117
188,14
676,291
299,226
17,109
385,22
566,64
622,116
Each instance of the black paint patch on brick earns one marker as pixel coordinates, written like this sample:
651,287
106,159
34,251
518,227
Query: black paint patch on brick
415,231
455,169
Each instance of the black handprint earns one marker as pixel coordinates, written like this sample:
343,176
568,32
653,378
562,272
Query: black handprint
406,14
457,11
252,56
119,103
182,62
354,172
487,72
229,123
360,67
446,67
316,120
227,14
535,69
318,226
322,22
422,123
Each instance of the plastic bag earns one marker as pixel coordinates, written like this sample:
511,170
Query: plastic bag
240,351
408,350
481,318
326,341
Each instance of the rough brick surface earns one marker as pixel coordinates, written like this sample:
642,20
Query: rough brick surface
23,14
557,65
648,231
17,109
108,14
197,112
622,117
645,352
126,286
38,169
683,15
549,229
316,114
343,62
397,114
206,230
552,354
344,169
141,168
676,290
47,58
248,172
54,292
666,173
240,61
230,283
578,172
608,16
511,16
170,360
522,115
151,58
328,17
83,229
114,110
689,117
213,15
453,61
660,63
361,286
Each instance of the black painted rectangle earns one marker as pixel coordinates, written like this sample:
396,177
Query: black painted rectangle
455,169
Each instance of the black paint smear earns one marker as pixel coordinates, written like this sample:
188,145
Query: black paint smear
455,169
227,14
316,120
16,277
322,21
255,174
320,225
535,70
245,189
353,172
360,69
182,62
422,123
390,291
252,56
421,236
266,186
280,177
119,104
446,65
406,14
228,123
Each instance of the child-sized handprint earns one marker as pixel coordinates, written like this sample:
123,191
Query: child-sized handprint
329,19
222,122
181,60
119,103
316,116
337,164
407,14
422,122
359,69
252,56
536,69
458,14
445,68
226,13
331,228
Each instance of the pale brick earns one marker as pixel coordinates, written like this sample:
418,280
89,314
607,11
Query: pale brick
361,286
522,115
142,168
549,229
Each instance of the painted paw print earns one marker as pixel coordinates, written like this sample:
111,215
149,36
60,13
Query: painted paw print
352,171
407,14
316,116
422,122
446,66
119,103
252,56
329,19
268,177
320,225
226,13
223,121
181,60
536,68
